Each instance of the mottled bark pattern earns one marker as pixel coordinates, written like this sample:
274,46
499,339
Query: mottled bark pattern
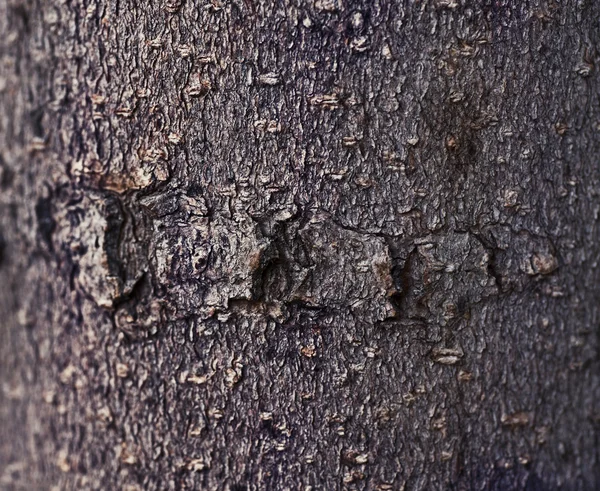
299,245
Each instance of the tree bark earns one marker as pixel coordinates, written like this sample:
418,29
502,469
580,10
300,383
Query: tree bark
299,245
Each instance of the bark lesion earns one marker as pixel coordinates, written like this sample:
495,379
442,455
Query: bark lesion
137,312
518,257
408,289
438,278
313,264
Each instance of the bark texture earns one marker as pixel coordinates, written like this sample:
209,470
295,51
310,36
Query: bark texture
299,245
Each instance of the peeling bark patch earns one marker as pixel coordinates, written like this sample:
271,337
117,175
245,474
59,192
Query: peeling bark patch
544,263
516,419
447,356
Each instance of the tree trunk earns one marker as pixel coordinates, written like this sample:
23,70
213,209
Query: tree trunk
292,245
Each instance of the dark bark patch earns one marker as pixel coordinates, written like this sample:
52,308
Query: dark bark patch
2,249
114,224
46,224
22,16
36,118
7,177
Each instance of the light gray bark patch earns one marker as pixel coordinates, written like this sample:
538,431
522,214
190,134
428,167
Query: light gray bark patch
238,252
90,238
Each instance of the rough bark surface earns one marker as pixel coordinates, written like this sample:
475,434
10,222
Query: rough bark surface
299,245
